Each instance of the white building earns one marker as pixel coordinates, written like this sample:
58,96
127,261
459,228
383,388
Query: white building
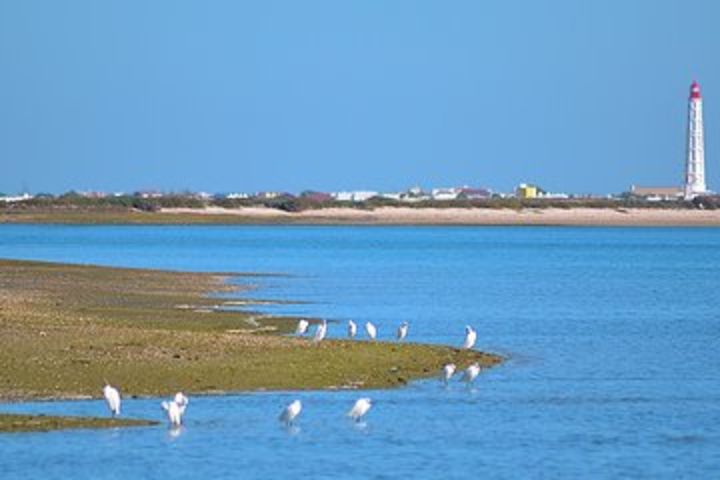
414,194
393,196
355,196
16,198
267,195
554,195
445,193
237,195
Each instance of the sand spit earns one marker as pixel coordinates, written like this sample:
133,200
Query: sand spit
469,216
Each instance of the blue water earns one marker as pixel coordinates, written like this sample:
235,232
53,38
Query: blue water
612,338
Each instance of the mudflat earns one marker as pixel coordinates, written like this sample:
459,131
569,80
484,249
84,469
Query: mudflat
67,329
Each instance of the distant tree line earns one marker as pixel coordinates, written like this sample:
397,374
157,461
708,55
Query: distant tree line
310,201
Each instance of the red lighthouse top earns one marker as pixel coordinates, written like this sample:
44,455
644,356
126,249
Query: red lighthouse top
695,91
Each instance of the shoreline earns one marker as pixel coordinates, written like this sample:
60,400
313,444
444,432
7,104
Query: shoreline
474,216
65,329
551,216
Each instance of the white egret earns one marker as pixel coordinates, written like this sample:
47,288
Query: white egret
174,412
112,397
302,327
402,331
361,407
290,413
471,373
447,372
320,331
470,337
352,329
182,401
371,330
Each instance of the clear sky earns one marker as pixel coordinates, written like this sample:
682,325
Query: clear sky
577,96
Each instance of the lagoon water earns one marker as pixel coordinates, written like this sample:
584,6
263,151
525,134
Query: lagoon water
612,337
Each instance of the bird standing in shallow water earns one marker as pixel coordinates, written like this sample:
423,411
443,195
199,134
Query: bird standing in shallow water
182,401
302,327
290,413
320,331
352,329
371,330
470,337
112,398
471,373
174,412
447,372
361,407
176,409
402,331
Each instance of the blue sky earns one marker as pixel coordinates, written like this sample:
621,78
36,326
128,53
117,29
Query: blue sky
578,96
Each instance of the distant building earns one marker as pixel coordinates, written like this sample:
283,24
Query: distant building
268,195
237,196
93,194
416,191
393,196
316,196
553,195
149,194
343,196
414,194
657,193
445,193
355,196
525,190
468,193
15,198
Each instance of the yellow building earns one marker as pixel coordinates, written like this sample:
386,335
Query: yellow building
526,191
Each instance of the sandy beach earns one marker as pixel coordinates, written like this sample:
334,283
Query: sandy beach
467,216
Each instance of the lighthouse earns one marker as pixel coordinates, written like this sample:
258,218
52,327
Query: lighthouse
695,161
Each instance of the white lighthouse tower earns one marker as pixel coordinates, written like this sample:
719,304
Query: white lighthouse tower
695,162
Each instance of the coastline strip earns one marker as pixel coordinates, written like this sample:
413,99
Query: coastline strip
575,216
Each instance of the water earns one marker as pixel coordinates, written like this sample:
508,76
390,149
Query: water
612,336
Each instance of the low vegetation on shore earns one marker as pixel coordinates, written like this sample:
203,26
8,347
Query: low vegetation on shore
46,207
66,329
311,208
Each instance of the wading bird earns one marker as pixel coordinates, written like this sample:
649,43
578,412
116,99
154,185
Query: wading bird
182,401
471,373
112,398
174,412
302,327
447,372
290,413
402,331
470,337
352,329
371,330
320,331
361,407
